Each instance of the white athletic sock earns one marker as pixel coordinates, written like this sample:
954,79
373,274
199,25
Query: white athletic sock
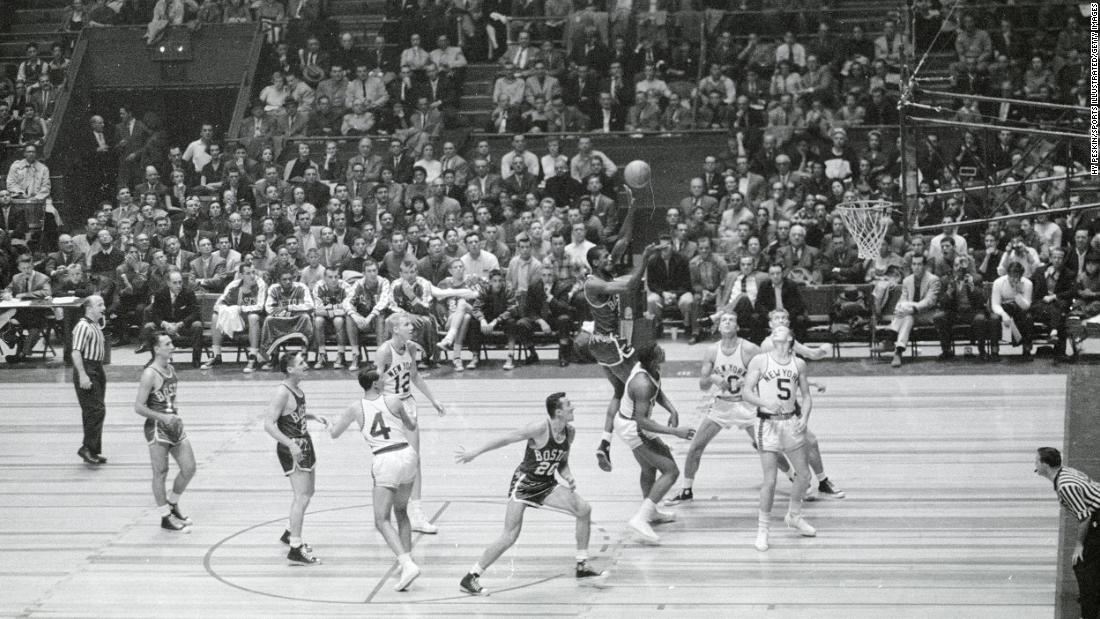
173,498
582,556
688,482
295,542
164,510
404,559
477,570
647,509
606,436
763,520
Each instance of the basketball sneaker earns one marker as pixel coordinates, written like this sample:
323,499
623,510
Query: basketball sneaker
603,456
685,496
799,523
660,517
828,488
286,540
250,367
811,492
171,523
420,522
470,584
302,555
408,574
588,577
761,539
642,529
212,362
175,511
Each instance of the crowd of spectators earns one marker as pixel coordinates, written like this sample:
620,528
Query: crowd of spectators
301,241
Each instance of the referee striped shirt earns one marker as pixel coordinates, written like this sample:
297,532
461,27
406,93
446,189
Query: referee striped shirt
88,339
1077,493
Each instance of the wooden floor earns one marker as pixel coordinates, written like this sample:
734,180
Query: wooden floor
944,517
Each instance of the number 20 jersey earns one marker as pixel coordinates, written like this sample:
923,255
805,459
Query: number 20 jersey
540,463
381,427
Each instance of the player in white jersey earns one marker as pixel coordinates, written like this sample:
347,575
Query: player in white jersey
724,367
634,426
386,424
819,481
396,359
772,385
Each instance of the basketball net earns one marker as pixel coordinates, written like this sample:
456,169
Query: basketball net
868,221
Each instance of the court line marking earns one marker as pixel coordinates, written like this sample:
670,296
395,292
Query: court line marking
393,565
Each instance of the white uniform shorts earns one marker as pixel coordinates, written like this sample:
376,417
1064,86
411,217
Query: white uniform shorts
628,431
780,435
410,407
731,414
391,469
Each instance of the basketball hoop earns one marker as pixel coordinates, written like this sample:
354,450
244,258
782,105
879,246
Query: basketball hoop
868,221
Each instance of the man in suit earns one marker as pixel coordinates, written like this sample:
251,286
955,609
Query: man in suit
521,181
175,310
400,162
27,284
987,259
380,57
239,241
257,132
592,53
12,220
440,90
208,269
130,135
668,277
699,199
1052,296
98,160
581,90
488,184
919,304
66,255
451,160
426,123
750,184
372,163
606,118
778,292
798,255
175,256
620,87
1075,255
521,54
333,255
404,88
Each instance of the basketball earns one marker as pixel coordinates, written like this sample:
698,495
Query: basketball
637,174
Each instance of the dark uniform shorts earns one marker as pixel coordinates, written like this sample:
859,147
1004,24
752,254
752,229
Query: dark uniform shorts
531,492
607,350
157,432
305,463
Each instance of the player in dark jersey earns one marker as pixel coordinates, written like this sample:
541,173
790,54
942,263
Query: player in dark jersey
534,485
601,291
156,402
285,420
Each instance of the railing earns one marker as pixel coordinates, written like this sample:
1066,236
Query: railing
244,95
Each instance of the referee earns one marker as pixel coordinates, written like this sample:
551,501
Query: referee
1081,497
88,377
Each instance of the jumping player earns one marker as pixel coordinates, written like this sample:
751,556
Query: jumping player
824,486
156,402
385,422
534,485
724,367
396,359
638,431
285,421
770,386
615,355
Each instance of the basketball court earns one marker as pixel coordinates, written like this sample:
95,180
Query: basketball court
943,515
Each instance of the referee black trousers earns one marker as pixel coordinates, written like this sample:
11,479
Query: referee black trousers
1087,571
92,408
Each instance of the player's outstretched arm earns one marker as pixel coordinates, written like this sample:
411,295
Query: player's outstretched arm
627,230
423,387
623,284
813,353
352,413
707,377
527,432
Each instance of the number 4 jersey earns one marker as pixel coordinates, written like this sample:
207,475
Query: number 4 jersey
534,478
381,427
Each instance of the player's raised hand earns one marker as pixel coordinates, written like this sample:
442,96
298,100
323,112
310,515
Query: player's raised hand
462,456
